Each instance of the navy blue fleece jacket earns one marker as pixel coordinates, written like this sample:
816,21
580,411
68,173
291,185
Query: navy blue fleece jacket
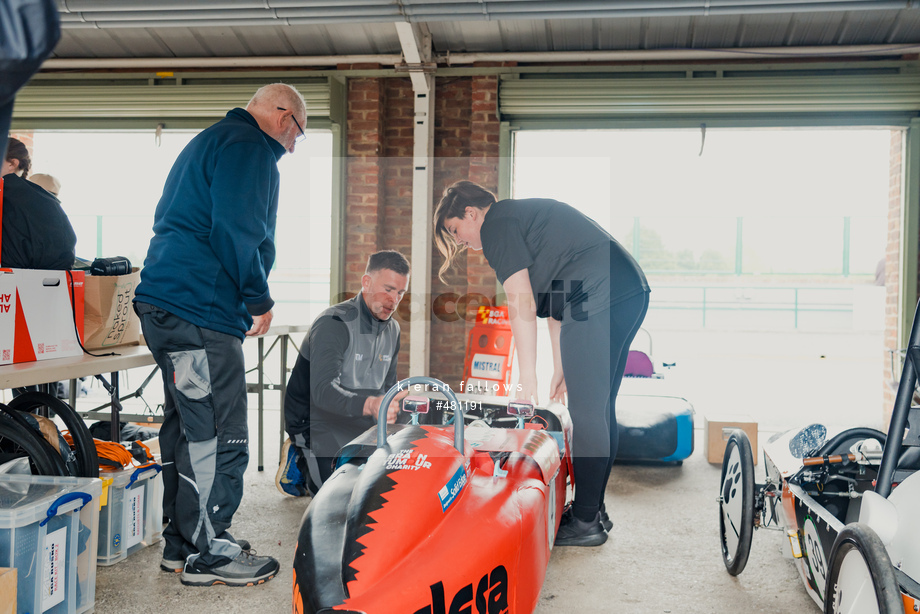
214,228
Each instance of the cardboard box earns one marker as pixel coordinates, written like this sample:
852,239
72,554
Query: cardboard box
7,590
38,321
717,432
109,317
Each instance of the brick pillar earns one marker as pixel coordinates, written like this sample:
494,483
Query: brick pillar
892,255
466,147
362,193
396,206
378,209
484,160
379,194
452,162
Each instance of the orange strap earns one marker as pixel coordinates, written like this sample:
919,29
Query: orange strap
112,454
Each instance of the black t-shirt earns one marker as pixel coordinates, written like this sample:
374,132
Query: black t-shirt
576,268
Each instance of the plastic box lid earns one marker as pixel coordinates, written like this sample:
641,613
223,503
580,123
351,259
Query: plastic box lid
25,499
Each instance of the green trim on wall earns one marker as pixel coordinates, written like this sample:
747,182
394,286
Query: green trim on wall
129,102
338,105
718,95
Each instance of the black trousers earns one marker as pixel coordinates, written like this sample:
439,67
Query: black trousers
204,439
594,352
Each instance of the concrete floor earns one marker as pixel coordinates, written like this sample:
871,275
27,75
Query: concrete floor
662,556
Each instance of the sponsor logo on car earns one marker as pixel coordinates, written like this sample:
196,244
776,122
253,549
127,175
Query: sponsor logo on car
490,596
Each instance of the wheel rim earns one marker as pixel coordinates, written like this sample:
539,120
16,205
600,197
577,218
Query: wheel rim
855,591
732,503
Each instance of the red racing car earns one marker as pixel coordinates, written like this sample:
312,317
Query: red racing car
454,513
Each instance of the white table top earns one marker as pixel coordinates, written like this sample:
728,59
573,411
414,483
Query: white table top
59,369
129,357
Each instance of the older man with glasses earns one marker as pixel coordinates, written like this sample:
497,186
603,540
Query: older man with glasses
204,288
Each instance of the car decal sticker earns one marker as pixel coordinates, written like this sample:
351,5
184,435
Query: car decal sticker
449,492
814,555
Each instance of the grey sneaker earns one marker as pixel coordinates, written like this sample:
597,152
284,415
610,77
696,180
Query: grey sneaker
177,565
245,569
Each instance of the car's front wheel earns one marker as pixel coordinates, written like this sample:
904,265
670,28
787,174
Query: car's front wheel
736,502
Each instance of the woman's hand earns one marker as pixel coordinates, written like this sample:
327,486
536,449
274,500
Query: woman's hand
557,389
527,388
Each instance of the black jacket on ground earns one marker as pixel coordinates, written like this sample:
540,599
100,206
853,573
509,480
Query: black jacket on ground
36,231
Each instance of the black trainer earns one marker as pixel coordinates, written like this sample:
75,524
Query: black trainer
245,569
605,519
176,565
576,532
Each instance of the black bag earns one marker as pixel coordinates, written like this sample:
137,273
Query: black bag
118,265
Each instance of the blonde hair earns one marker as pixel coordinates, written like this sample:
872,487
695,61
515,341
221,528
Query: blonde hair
457,197
49,182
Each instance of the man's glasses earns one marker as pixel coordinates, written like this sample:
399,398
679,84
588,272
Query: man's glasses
303,135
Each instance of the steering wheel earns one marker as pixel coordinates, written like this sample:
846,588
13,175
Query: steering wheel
850,436
438,386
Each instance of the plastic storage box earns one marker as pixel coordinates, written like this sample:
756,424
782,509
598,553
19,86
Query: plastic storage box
132,516
48,532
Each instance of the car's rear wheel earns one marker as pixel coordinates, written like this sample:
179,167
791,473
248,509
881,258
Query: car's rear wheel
861,579
736,502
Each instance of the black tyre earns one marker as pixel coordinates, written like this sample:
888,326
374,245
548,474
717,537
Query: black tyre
85,449
860,579
17,441
736,502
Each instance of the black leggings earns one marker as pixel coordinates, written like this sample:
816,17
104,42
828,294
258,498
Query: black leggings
594,352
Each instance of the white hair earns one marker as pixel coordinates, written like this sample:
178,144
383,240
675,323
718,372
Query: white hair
278,95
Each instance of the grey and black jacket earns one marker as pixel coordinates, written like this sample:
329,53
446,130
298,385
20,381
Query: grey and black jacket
348,356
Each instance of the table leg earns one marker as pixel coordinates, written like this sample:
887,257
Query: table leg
261,394
116,409
72,397
283,389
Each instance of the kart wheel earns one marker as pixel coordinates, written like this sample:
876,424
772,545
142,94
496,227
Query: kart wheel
17,440
861,579
85,449
736,502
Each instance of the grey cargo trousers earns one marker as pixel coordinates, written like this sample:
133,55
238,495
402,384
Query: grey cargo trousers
204,440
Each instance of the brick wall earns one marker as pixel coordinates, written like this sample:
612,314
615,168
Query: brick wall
466,147
452,130
366,98
379,195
